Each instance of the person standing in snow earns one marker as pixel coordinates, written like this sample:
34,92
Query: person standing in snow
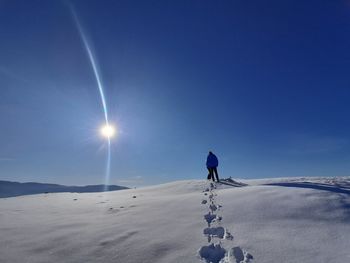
212,164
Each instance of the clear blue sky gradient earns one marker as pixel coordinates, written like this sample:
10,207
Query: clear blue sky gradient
263,84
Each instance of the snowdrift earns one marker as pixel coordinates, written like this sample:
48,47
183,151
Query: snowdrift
276,220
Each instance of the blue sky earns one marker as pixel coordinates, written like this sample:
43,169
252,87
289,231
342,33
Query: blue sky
263,84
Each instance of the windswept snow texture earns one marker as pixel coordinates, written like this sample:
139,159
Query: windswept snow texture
275,220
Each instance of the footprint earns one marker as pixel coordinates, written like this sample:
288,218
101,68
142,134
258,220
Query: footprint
216,253
240,256
218,232
228,235
209,218
213,207
212,253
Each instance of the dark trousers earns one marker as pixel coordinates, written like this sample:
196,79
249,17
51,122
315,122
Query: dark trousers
213,170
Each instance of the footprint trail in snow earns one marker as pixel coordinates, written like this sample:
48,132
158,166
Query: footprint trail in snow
219,248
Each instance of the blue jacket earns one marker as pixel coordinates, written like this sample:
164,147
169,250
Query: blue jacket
212,161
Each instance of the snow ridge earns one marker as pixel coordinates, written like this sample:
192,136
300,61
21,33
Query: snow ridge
218,236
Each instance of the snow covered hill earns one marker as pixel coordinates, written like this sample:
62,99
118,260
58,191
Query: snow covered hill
265,221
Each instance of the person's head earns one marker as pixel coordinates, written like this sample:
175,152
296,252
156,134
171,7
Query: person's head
210,152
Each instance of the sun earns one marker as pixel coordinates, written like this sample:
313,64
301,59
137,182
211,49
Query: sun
108,131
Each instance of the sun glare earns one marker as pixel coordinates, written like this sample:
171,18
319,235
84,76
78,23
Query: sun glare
108,131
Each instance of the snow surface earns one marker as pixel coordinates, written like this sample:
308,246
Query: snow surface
273,220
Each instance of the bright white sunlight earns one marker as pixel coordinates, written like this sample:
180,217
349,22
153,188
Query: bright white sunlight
108,131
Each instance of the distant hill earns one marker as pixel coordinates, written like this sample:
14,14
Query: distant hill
11,189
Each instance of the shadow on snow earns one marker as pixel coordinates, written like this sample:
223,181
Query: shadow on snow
317,186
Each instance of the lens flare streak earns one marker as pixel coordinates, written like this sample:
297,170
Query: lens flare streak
93,63
100,88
